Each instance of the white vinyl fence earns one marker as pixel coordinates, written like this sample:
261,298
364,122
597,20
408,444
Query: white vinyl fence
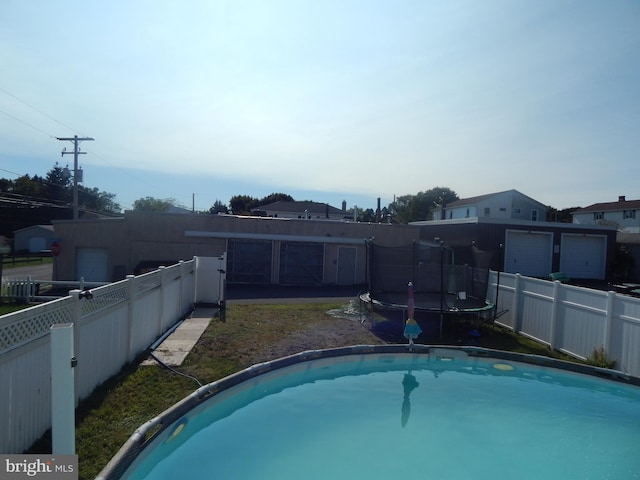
120,321
571,319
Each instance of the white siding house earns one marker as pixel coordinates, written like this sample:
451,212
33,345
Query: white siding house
623,214
508,205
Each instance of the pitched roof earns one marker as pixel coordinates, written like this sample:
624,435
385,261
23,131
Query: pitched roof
300,207
473,200
621,204
43,227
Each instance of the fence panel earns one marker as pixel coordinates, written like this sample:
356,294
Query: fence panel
171,307
506,293
25,396
582,318
536,309
571,319
113,324
146,326
624,339
101,344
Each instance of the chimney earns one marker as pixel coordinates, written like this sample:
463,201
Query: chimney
621,198
344,205
378,212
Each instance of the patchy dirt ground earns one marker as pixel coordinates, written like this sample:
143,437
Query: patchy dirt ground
257,333
330,333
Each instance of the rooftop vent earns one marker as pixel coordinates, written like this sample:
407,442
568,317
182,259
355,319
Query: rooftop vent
621,198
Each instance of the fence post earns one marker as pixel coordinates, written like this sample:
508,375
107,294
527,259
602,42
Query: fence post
608,324
180,287
554,314
130,315
63,401
161,301
516,304
28,293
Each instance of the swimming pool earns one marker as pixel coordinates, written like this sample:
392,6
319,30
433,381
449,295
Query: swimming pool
384,412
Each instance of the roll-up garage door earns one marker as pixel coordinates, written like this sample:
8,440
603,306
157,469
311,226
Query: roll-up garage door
528,253
249,261
301,263
583,256
92,264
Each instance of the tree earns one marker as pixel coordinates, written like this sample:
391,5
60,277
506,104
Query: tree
563,216
218,207
413,208
275,197
151,204
58,184
242,204
29,187
93,199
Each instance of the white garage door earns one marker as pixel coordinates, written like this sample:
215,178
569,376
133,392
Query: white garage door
583,256
91,265
528,253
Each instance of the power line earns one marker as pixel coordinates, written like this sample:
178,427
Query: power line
37,110
25,123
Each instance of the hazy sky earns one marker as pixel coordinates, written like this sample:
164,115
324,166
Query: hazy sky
327,100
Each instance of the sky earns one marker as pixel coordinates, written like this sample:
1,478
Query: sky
330,101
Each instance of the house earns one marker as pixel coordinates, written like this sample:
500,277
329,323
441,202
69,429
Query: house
33,239
623,215
301,210
510,204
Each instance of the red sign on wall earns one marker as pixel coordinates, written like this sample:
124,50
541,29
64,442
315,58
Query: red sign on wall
55,249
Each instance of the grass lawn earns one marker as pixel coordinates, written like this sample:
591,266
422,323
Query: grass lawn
247,334
11,307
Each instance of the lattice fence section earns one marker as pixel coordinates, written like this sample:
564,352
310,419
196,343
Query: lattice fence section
104,298
148,281
26,325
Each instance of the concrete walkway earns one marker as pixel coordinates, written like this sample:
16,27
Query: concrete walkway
175,348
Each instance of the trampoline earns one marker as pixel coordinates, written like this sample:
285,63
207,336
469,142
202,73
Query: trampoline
439,285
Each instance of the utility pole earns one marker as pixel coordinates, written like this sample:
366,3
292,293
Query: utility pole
76,151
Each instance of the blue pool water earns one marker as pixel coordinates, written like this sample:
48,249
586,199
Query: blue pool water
405,416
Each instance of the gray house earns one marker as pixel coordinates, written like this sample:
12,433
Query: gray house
508,205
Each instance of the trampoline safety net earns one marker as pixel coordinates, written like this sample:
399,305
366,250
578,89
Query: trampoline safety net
431,267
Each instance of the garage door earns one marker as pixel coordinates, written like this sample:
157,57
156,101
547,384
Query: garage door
583,256
249,261
301,263
37,244
92,264
528,253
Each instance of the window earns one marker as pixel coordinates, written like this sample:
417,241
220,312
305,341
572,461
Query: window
598,215
629,214
487,211
534,215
